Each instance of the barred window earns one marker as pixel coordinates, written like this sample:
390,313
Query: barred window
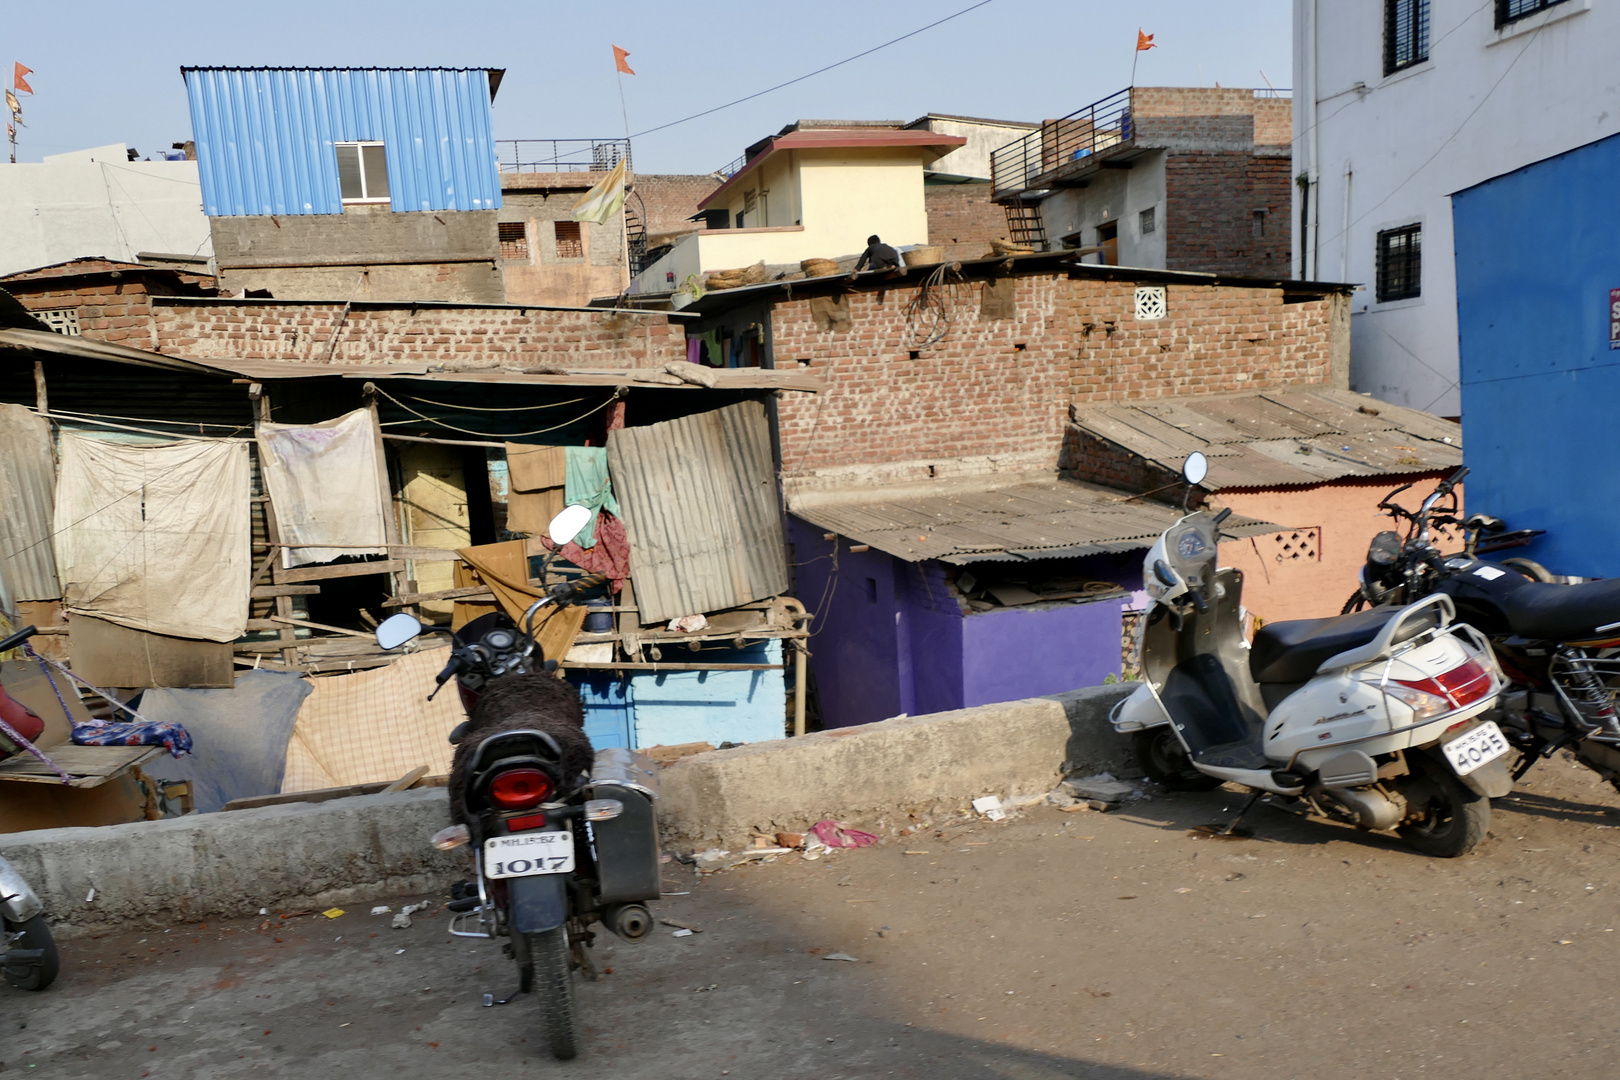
514,238
1406,33
1400,263
1511,10
570,245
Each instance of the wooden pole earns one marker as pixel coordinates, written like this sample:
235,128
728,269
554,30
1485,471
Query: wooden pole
286,635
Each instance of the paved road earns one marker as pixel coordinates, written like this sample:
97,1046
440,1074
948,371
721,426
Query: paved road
1084,945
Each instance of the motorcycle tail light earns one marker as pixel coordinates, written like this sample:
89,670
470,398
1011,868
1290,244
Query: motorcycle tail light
1420,698
1466,683
1456,688
525,823
519,789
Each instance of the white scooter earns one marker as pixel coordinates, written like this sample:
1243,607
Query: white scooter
1370,718
27,954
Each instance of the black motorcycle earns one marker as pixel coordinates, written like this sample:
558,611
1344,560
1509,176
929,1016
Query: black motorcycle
557,844
1558,643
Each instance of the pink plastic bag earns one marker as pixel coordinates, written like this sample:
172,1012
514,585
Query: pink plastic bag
833,834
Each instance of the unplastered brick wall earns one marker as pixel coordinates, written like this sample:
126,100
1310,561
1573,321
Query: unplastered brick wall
454,338
1003,386
1228,212
116,311
1097,461
962,219
671,199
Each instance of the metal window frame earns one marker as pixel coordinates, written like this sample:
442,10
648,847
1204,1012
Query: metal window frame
1147,221
1416,13
578,238
1505,13
520,244
361,158
1410,285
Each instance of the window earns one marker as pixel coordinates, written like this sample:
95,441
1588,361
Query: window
362,172
1259,227
1406,34
570,244
1400,263
1108,240
1150,302
1512,10
62,320
514,238
1147,220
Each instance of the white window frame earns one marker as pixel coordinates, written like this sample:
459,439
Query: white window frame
361,157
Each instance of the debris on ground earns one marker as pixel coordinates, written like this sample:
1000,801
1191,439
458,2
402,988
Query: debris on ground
682,933
835,834
333,913
402,921
1102,788
380,909
841,956
990,807
682,926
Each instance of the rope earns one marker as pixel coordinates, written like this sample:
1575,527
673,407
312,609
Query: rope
499,435
492,408
930,308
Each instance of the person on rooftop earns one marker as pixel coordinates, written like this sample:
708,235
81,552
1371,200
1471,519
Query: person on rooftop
879,255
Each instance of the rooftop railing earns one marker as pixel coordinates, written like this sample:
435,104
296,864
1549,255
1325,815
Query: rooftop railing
560,155
1092,130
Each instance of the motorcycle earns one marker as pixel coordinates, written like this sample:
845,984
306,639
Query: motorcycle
1557,640
28,957
1372,718
554,850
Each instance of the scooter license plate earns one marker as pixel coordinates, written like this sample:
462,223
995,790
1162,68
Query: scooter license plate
1468,752
527,854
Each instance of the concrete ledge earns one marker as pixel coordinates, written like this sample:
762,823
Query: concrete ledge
927,764
299,855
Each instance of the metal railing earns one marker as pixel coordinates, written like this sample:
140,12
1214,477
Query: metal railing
1059,143
560,155
733,168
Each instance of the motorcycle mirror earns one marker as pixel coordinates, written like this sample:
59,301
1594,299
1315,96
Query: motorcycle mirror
1195,468
568,524
396,630
1162,571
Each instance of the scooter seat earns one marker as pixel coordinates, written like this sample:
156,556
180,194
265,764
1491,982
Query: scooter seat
1291,651
1549,612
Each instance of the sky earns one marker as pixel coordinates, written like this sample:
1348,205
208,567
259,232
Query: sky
116,77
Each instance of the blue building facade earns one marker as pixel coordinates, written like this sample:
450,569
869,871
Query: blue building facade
295,141
1538,313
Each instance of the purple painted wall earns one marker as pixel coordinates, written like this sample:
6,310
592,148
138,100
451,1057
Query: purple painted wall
889,637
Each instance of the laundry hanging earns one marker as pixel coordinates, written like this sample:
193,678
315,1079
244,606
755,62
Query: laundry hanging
156,537
589,486
326,488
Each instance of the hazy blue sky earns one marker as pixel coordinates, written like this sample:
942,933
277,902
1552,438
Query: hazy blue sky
109,72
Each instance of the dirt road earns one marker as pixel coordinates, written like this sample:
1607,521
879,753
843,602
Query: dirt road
1053,945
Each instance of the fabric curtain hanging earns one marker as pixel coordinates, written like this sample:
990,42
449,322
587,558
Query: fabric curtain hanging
589,486
156,538
325,485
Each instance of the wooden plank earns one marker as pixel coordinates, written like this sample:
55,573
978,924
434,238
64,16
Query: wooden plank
465,592
326,794
406,781
90,766
267,592
299,574
321,626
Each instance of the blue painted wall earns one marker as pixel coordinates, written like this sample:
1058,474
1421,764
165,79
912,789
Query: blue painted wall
711,706
264,136
1537,252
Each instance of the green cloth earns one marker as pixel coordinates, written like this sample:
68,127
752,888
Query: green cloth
587,484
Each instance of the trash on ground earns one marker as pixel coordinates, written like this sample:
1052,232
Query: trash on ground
402,921
790,839
688,623
682,933
990,807
1102,787
682,926
333,913
90,897
841,956
380,909
835,834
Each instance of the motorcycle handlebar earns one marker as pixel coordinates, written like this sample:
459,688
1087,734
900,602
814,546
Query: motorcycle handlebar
566,592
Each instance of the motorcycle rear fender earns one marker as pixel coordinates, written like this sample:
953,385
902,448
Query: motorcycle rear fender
1492,780
17,901
538,903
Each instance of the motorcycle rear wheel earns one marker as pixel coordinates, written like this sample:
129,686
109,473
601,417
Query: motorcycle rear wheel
1456,819
1165,760
36,935
554,986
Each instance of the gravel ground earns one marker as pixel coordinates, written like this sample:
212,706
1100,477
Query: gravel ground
1051,945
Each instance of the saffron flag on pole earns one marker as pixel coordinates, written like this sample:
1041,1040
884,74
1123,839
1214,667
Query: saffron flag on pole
1144,42
619,60
17,80
604,200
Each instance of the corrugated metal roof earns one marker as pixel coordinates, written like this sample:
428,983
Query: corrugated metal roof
1048,520
699,502
27,505
1282,438
265,135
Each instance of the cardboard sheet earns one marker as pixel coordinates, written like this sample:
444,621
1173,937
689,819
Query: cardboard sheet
106,654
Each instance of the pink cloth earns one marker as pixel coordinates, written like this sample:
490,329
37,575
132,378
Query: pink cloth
833,834
609,556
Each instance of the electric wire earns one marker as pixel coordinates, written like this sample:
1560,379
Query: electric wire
501,434
493,408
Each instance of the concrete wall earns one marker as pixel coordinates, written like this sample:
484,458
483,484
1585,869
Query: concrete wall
1391,149
54,212
366,253
1118,195
544,275
984,137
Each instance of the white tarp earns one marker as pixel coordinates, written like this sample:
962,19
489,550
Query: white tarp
326,487
156,538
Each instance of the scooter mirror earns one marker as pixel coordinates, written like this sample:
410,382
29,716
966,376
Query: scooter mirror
568,524
1195,468
396,630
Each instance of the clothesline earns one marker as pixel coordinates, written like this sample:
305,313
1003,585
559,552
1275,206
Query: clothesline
502,434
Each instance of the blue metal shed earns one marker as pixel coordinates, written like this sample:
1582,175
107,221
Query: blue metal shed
1538,284
265,136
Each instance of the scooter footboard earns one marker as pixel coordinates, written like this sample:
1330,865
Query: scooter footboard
538,903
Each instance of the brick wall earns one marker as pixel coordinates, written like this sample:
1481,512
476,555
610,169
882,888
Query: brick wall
1002,386
962,219
671,199
1211,198
460,339
1088,458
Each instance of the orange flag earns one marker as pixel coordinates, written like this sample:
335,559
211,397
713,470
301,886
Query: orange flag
618,60
1144,42
18,81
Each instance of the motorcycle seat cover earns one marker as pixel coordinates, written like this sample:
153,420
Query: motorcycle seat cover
1291,651
1550,612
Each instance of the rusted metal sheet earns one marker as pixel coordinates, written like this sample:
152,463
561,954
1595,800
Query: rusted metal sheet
1054,519
699,502
27,505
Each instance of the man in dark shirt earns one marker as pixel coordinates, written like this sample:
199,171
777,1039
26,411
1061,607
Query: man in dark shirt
879,255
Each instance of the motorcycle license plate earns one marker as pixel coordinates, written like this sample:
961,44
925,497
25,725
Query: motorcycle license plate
1468,752
527,854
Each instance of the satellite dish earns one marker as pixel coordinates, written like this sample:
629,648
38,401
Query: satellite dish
1195,468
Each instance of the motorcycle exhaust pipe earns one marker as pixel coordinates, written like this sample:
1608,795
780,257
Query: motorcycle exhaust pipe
1373,809
632,922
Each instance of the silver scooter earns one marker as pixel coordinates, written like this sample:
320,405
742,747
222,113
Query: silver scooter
28,958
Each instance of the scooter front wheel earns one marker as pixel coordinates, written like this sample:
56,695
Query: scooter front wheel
1455,818
554,986
34,975
1165,760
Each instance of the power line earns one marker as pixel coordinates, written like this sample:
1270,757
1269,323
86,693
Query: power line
813,74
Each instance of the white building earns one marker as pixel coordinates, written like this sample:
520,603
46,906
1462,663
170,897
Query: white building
98,203
1397,104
